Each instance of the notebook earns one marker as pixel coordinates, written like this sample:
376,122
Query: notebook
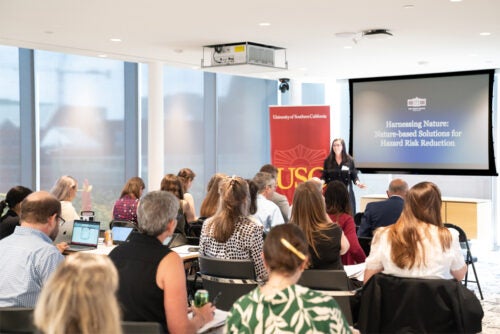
121,234
85,235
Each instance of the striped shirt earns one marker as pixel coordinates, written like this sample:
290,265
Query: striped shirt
27,258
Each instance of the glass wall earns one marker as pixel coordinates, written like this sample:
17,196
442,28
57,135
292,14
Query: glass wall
81,108
184,132
243,144
10,136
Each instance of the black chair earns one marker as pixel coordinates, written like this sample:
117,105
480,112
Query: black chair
227,279
16,320
141,327
334,283
366,244
357,219
391,304
124,223
469,259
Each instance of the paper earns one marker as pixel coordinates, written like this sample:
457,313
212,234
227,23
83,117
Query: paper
356,271
219,320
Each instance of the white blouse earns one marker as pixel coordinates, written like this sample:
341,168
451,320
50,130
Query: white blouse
438,264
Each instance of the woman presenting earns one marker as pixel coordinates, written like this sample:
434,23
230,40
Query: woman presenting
339,166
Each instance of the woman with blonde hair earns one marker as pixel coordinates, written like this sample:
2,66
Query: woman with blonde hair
211,201
125,208
418,244
231,233
326,239
80,297
65,190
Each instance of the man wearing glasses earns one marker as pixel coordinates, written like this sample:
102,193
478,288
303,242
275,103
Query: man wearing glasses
28,257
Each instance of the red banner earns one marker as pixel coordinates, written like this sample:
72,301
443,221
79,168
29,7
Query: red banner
300,142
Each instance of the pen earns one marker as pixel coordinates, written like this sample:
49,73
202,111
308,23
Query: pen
214,301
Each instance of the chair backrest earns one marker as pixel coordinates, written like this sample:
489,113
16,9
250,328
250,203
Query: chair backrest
366,244
16,320
462,237
141,327
226,268
332,282
391,304
227,279
124,223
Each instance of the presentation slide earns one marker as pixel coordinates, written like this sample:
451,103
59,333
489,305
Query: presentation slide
436,122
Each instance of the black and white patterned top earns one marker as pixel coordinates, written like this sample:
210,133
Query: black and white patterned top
245,243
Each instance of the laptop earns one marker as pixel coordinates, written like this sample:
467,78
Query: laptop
85,235
121,234
176,240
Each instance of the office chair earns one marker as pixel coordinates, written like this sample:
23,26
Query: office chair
16,320
124,223
391,304
334,283
357,219
141,327
469,259
228,279
366,244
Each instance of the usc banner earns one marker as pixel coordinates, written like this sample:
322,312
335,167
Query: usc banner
300,142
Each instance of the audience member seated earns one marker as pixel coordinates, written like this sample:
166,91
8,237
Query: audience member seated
10,219
338,208
418,244
172,183
152,278
186,176
325,238
80,297
125,208
65,190
268,213
280,305
231,233
28,256
280,200
253,190
384,213
210,203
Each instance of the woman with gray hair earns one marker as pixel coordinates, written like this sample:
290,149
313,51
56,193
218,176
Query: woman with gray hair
152,277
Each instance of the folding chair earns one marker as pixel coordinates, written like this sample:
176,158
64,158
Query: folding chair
469,259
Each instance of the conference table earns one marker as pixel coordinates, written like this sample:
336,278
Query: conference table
186,252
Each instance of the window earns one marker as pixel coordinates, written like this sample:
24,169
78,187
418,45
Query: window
81,112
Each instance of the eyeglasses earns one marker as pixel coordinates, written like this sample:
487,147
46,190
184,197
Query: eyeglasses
60,220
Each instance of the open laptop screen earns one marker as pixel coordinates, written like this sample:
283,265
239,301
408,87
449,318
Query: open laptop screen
85,233
121,233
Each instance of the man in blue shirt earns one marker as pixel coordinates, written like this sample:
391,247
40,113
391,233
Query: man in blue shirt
28,257
384,213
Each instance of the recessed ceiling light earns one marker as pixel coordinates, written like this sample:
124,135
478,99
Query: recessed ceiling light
376,34
264,24
115,39
408,6
485,33
102,56
455,0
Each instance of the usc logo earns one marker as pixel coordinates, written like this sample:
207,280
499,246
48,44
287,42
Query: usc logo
290,177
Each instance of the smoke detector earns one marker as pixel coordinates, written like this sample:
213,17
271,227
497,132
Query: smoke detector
376,34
